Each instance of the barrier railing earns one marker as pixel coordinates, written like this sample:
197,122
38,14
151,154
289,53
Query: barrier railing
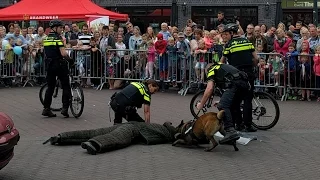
284,76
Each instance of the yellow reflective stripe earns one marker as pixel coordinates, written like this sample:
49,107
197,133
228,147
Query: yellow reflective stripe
238,47
142,91
211,71
49,43
52,43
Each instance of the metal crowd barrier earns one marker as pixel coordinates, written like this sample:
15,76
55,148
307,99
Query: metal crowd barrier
281,75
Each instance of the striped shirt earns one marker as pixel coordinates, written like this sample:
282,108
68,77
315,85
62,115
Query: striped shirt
85,39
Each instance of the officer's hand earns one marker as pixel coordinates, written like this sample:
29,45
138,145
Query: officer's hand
199,106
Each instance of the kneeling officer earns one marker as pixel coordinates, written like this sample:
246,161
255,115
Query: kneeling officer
236,85
126,102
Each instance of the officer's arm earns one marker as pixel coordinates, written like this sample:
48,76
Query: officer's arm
207,92
64,53
255,58
147,113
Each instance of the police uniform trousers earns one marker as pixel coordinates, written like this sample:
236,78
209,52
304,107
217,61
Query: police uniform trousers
230,102
121,111
247,108
57,68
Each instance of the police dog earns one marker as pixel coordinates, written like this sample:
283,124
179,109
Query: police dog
204,128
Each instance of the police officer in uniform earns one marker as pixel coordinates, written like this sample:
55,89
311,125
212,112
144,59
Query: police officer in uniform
133,96
236,87
240,53
56,66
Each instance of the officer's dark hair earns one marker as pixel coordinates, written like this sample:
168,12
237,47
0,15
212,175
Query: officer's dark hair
105,27
152,82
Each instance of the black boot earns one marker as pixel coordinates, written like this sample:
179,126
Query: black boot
53,140
64,112
250,129
231,135
240,127
89,147
162,85
47,112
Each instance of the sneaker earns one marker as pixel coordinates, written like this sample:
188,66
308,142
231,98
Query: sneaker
64,112
250,129
89,147
276,84
231,135
47,112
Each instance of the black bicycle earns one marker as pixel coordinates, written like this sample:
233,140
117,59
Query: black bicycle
76,100
260,107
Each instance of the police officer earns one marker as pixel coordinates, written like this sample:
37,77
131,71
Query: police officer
126,102
237,87
240,53
56,66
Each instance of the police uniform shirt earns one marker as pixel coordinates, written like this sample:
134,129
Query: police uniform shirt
219,72
51,44
136,94
238,51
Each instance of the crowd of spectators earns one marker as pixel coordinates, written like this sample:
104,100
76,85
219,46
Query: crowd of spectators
173,54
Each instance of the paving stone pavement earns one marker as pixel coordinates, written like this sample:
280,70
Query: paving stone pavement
288,151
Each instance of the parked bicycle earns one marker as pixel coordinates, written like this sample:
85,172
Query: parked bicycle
259,110
76,100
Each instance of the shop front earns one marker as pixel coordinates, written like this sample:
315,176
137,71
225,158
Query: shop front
298,10
206,15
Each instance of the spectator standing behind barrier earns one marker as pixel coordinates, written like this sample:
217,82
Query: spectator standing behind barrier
135,40
161,46
292,58
172,59
165,31
151,60
305,75
314,40
106,40
316,69
281,43
128,34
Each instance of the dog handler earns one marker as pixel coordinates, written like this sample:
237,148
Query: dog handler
237,87
241,54
126,102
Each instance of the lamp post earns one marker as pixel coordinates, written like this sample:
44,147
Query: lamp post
174,13
315,12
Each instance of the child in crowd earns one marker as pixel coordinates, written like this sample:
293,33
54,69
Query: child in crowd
161,46
207,39
305,75
184,52
172,58
316,69
216,50
200,55
277,67
110,66
120,46
151,60
263,70
260,52
305,47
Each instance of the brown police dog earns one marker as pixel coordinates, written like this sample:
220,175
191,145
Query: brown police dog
203,128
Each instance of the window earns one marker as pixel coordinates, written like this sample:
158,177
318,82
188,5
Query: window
146,16
207,15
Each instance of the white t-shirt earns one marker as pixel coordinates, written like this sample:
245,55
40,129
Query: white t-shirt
120,46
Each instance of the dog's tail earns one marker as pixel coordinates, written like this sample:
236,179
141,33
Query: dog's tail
220,115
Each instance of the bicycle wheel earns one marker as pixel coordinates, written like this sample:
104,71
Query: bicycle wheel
56,104
263,105
77,100
196,99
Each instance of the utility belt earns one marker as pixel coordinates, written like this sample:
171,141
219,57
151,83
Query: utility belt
239,79
117,107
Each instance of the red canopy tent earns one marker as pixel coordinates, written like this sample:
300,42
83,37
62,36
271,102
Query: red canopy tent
45,10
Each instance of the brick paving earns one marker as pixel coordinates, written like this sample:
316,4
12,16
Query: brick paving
288,151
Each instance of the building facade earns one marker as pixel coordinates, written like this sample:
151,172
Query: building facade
145,13
298,10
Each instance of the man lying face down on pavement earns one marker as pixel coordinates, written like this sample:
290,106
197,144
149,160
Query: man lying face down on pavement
117,136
